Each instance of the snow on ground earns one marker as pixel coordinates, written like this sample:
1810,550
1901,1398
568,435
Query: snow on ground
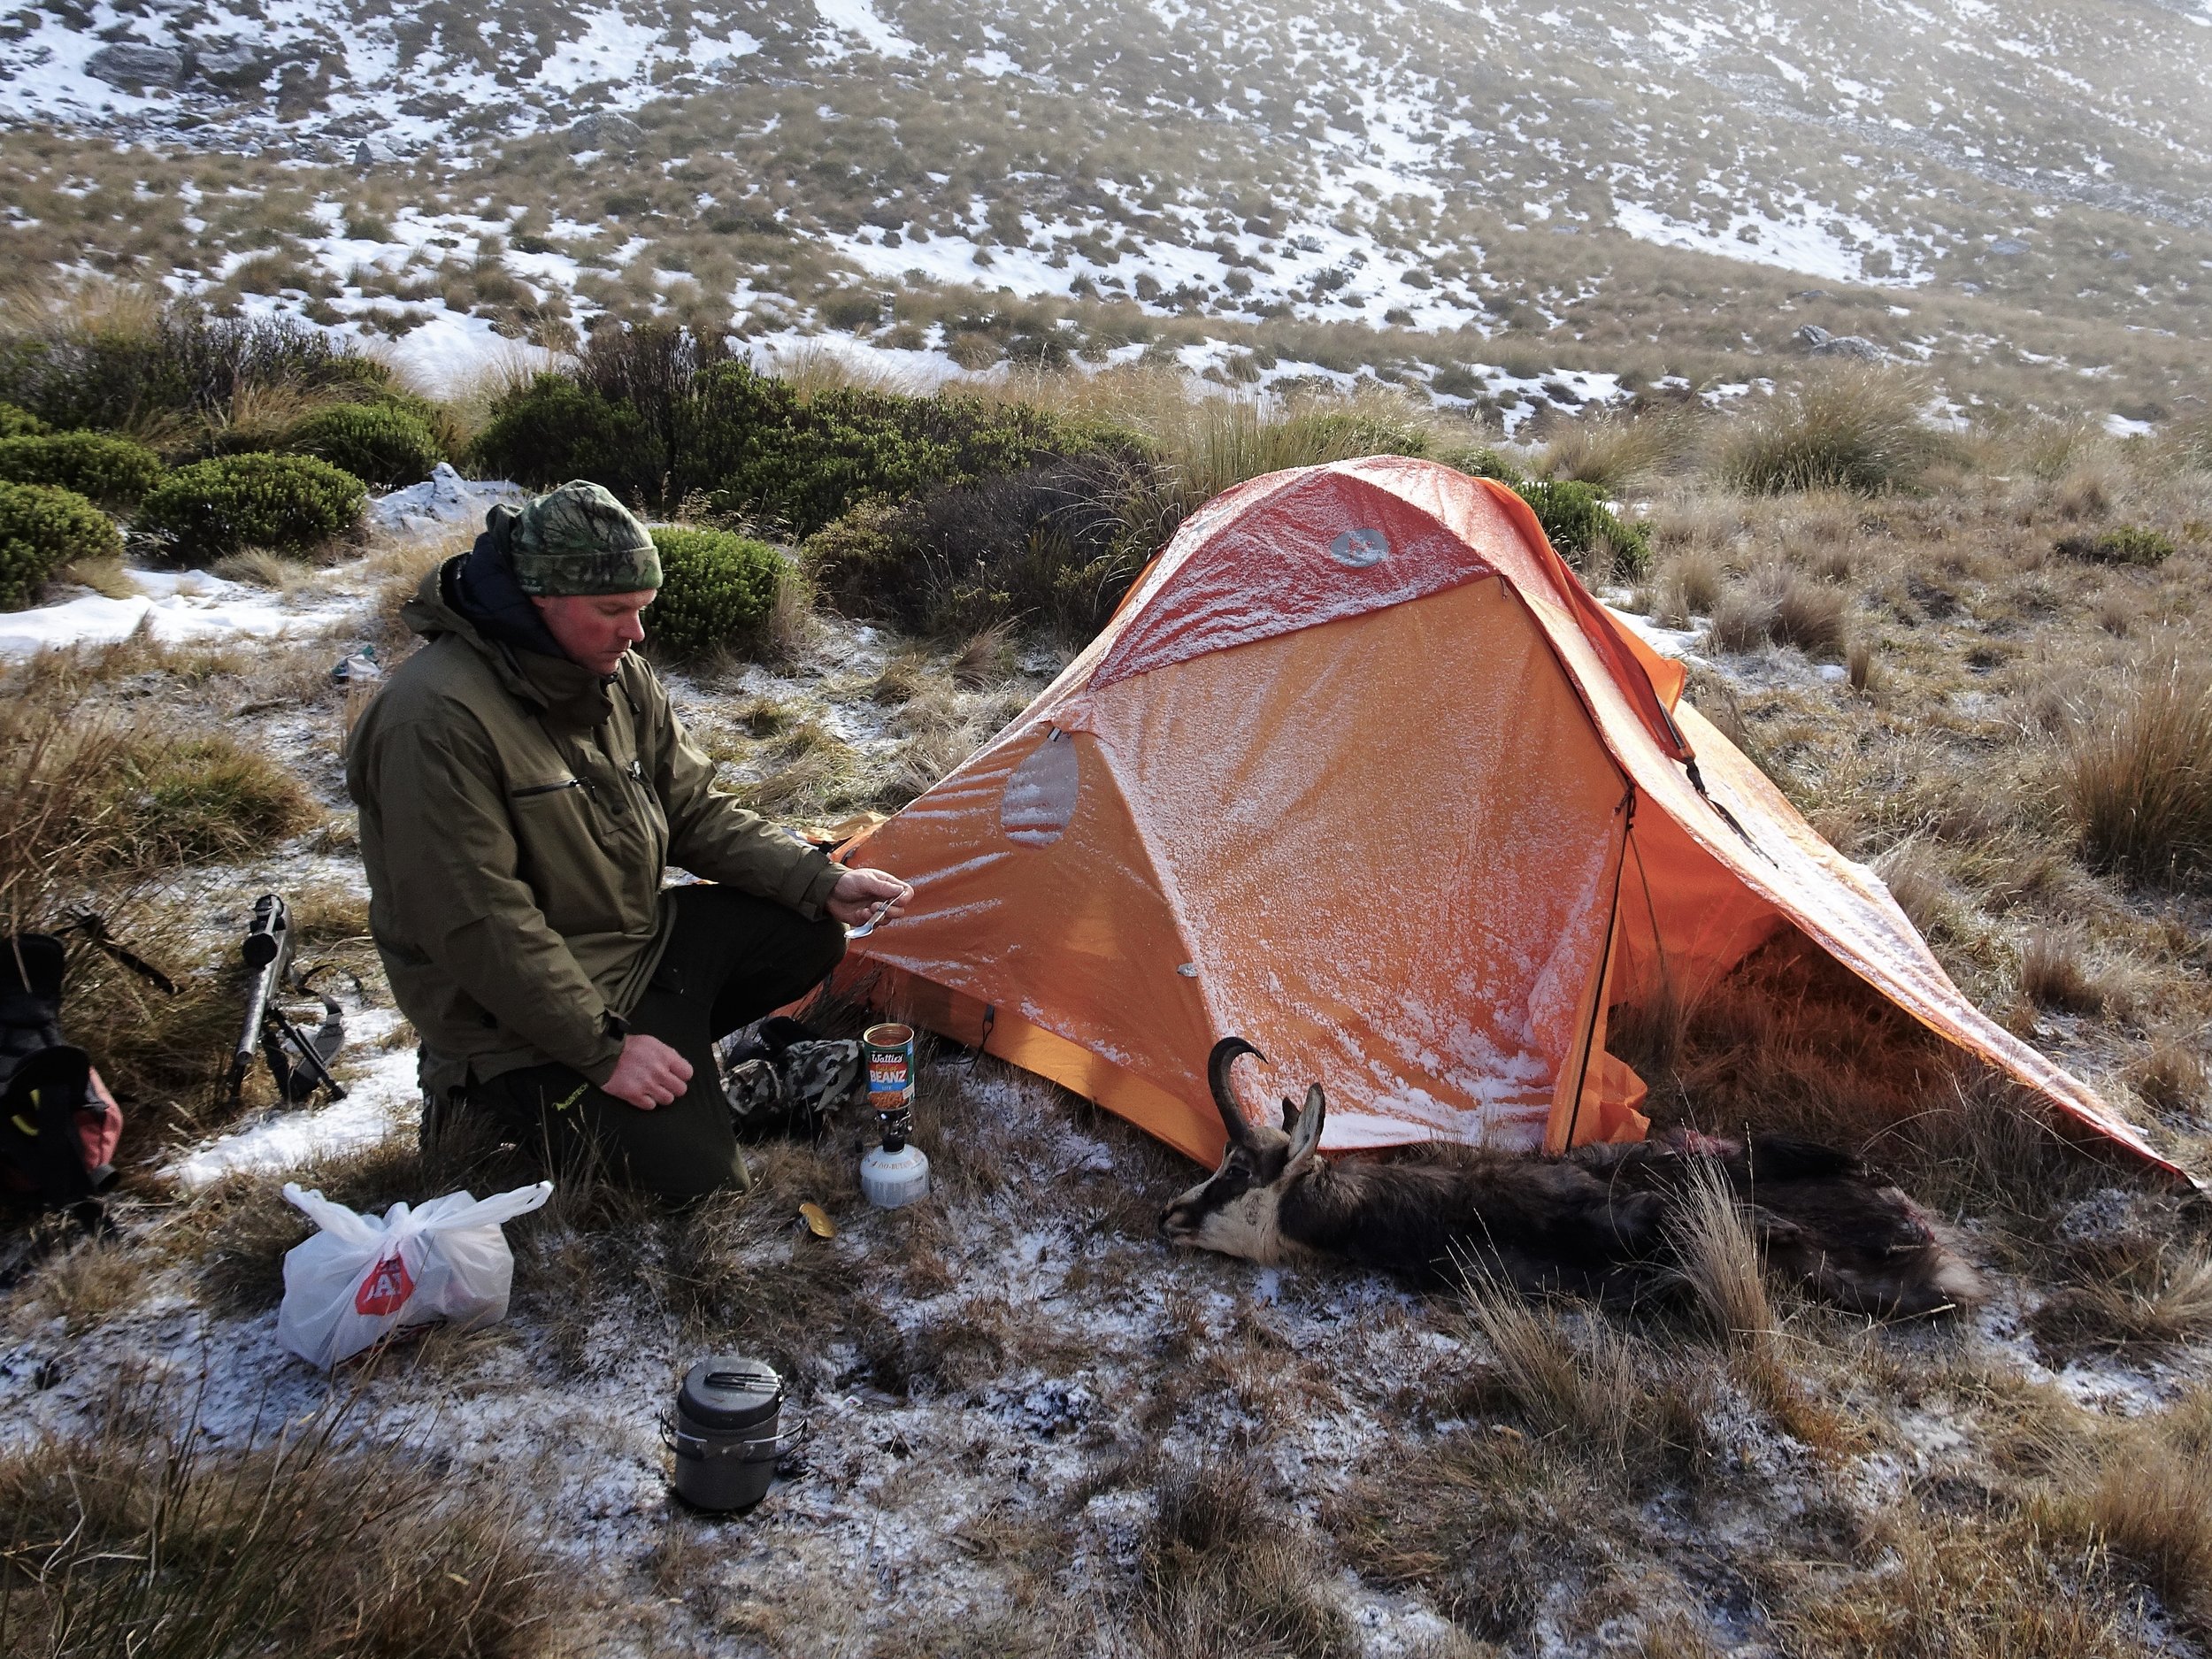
857,19
174,608
1804,235
381,1100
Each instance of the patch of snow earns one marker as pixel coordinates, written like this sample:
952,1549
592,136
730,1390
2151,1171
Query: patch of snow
1806,236
381,1097
174,608
858,18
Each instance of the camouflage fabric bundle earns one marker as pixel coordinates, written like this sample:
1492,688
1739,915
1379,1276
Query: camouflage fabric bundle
782,1080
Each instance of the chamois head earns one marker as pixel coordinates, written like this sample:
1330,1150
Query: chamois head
1236,1209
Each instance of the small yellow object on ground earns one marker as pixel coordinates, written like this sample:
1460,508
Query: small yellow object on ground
817,1221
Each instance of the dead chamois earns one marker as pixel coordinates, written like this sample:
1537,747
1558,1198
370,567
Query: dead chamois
1597,1223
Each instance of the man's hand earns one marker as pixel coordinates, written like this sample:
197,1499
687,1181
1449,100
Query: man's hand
648,1074
858,893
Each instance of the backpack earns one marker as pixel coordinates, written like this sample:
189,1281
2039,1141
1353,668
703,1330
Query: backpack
59,1124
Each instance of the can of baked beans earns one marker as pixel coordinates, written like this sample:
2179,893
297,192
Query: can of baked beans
889,1049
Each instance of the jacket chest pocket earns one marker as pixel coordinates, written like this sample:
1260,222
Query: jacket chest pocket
565,856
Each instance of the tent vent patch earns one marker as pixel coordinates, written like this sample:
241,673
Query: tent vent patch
1359,549
1040,796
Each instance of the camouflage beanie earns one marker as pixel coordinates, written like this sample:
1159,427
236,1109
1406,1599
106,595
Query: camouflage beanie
580,540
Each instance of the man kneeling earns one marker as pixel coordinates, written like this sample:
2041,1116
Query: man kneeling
522,783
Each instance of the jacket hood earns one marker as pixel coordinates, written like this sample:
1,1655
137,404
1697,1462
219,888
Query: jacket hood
554,684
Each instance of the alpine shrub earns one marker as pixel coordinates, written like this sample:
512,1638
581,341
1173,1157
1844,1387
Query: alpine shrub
656,416
1485,463
42,529
1576,520
1048,548
119,367
290,503
553,430
799,463
2129,544
717,591
382,445
18,423
112,470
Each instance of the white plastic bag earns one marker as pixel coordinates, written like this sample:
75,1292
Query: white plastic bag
362,1276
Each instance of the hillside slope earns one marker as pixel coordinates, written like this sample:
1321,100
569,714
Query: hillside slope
1947,182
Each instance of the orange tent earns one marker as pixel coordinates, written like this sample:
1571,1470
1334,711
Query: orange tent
1361,772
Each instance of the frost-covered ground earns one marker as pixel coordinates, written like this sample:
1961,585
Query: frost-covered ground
1028,1342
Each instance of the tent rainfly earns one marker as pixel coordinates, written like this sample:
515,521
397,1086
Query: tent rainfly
1361,771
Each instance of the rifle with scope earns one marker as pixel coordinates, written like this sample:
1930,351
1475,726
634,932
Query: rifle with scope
299,1063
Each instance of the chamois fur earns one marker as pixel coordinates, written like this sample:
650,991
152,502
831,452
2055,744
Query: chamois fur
1596,1223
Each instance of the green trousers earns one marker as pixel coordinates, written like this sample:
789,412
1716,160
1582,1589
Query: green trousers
730,959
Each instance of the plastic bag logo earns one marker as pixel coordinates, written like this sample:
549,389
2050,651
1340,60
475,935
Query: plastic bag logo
385,1288
1359,549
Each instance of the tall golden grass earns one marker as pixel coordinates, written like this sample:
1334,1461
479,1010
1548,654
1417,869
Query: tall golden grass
2138,779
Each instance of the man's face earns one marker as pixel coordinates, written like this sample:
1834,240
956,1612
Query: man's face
595,629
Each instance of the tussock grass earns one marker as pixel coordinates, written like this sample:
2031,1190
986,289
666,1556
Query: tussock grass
1914,873
1690,585
2168,1074
1483,1522
87,1283
2054,973
1782,607
1615,452
1965,1586
1855,429
2136,1292
138,1535
2138,780
738,1270
88,793
2145,1495
1225,1567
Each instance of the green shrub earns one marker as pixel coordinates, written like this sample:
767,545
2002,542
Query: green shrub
42,529
112,470
290,503
799,463
658,416
553,430
717,591
1050,549
1485,463
1852,429
131,365
381,445
2129,544
18,423
1576,520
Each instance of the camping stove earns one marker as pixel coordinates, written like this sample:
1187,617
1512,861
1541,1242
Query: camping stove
894,1173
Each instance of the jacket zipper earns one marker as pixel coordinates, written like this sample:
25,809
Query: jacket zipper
545,788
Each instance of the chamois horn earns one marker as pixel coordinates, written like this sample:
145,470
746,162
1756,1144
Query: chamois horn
1225,1054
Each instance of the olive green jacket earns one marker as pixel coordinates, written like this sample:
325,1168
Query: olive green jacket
516,811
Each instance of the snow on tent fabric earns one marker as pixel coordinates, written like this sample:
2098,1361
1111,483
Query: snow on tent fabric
1361,772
